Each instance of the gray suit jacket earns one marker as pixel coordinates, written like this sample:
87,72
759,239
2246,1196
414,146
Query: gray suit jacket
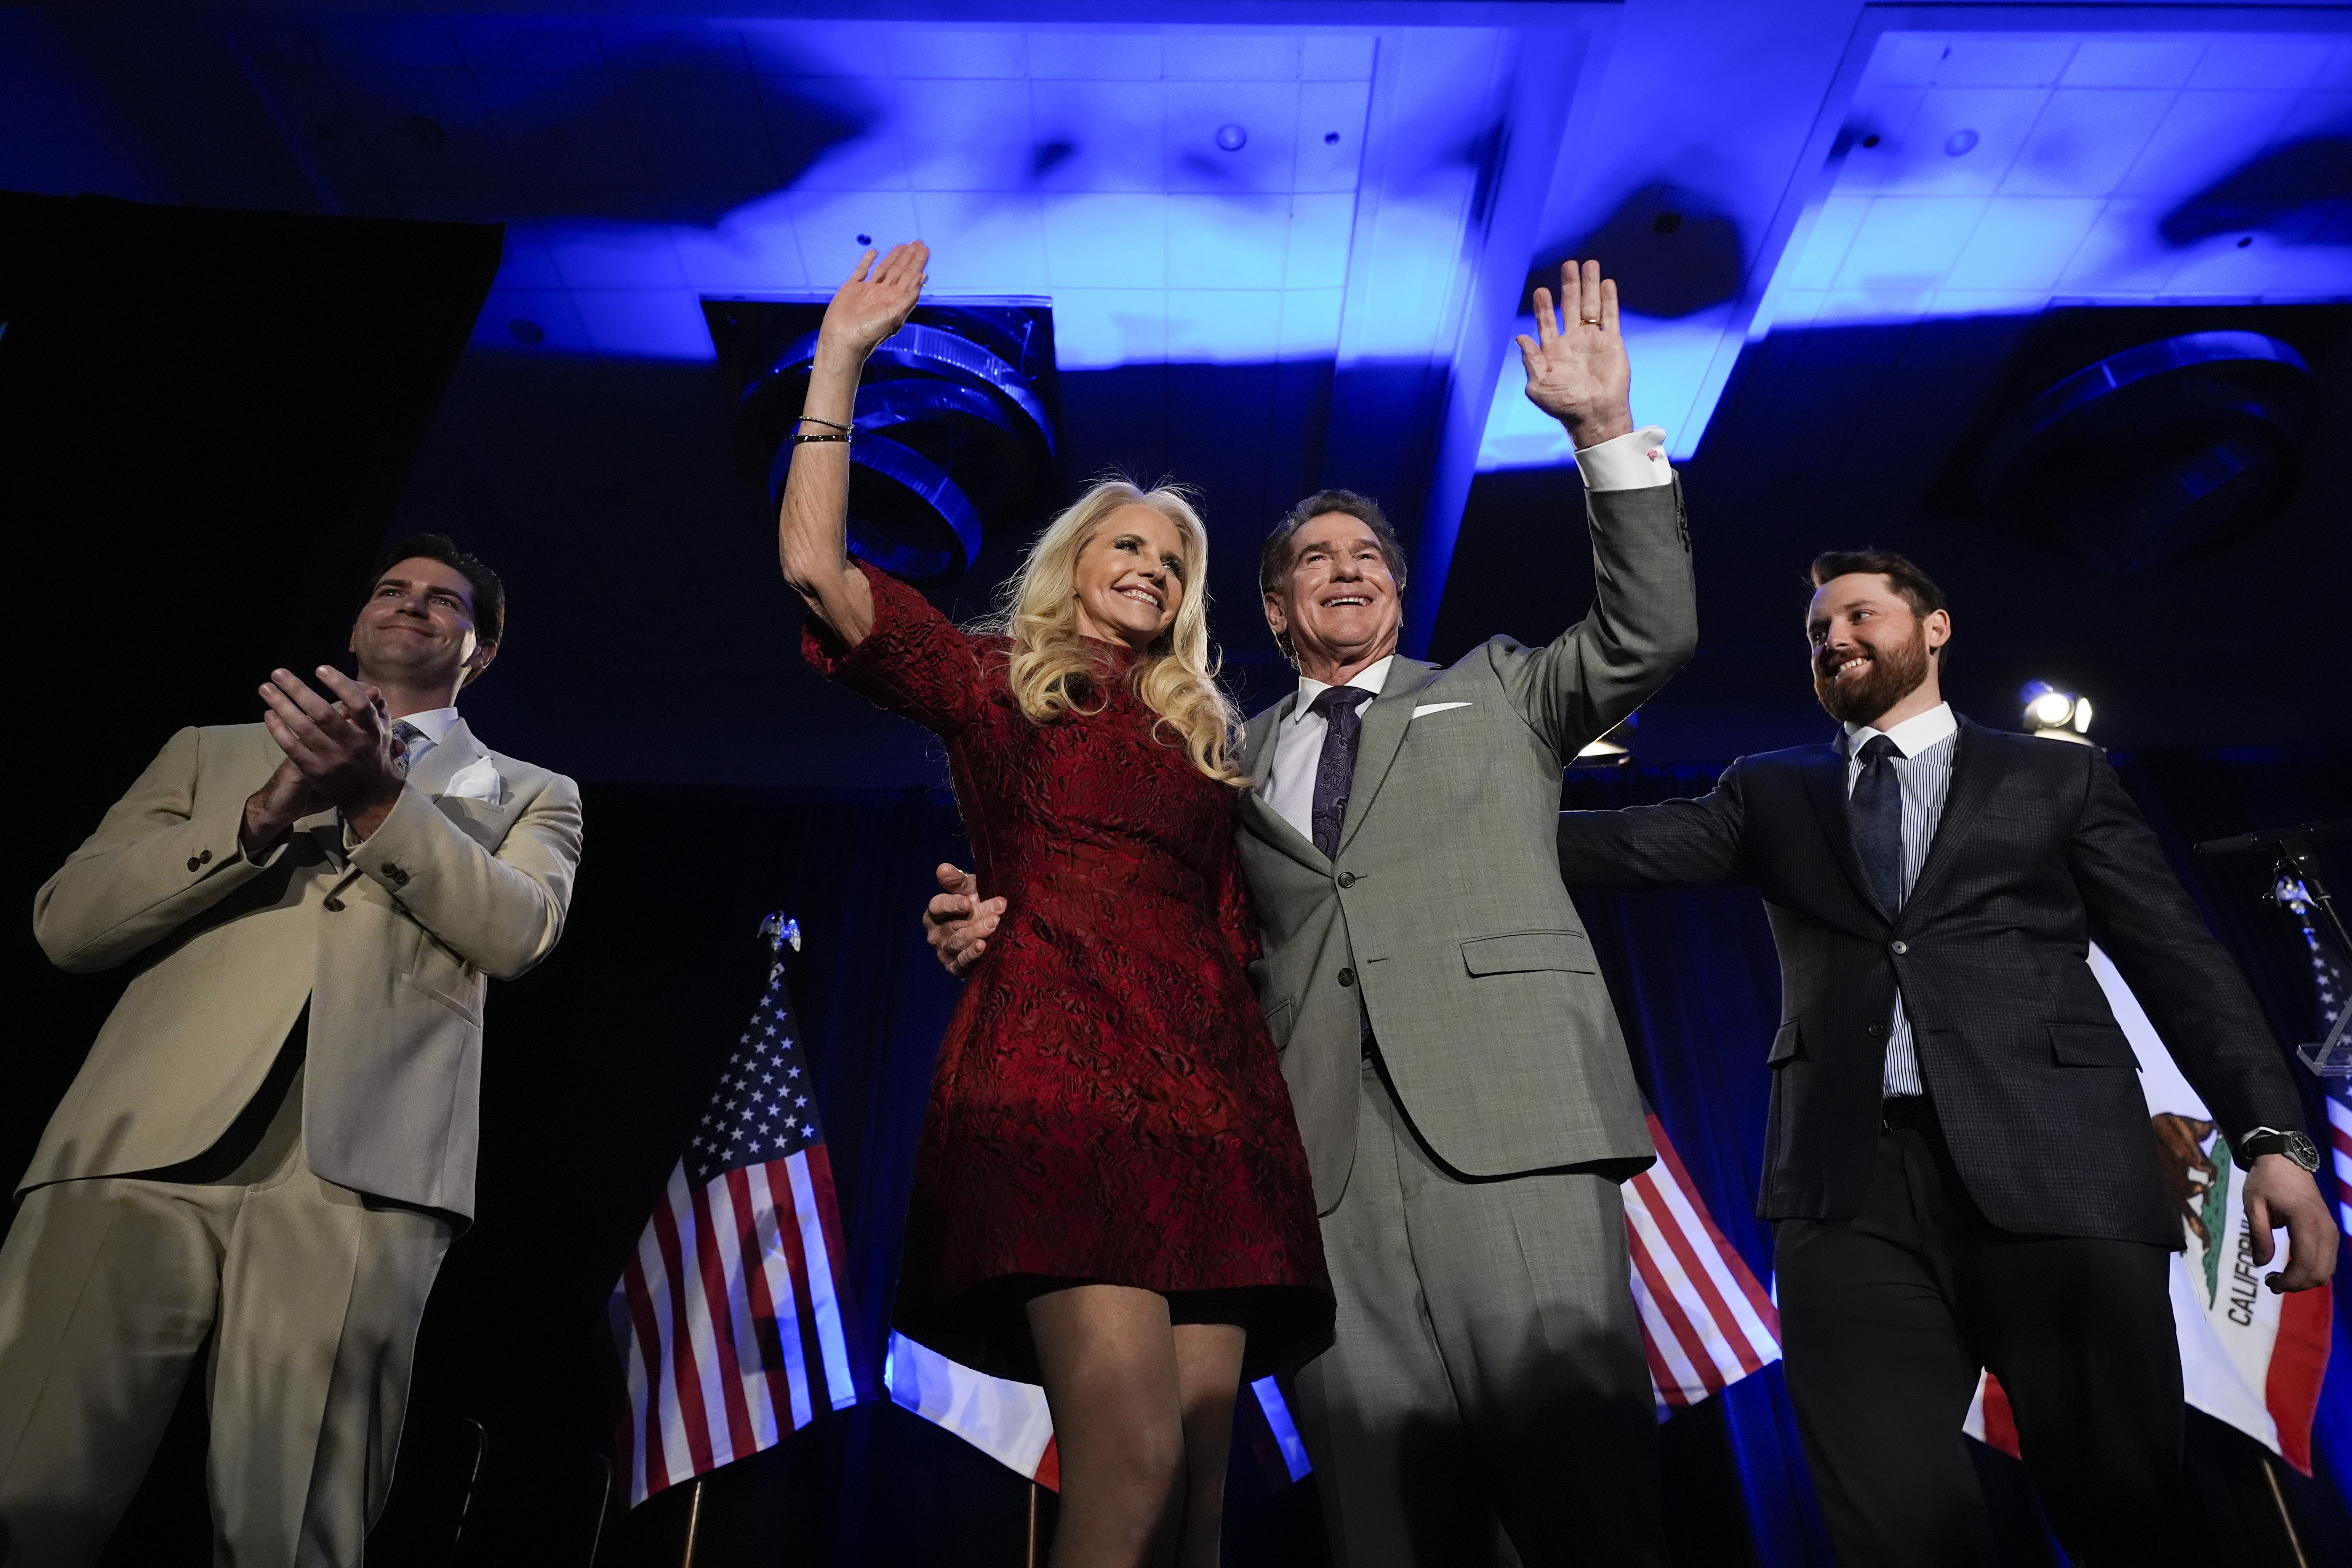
388,947
1443,917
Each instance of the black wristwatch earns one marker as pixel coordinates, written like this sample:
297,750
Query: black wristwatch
2264,1140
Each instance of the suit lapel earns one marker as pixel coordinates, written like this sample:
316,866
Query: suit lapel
1825,787
1383,734
1259,817
1975,777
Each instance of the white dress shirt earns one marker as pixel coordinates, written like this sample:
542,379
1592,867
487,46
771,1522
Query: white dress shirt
432,725
1632,461
1924,745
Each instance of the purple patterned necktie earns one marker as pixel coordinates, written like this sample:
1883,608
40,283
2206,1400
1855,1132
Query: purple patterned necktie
1337,767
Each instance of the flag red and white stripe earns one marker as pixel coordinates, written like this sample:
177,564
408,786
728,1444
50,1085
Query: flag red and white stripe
1007,1421
730,1316
1706,1321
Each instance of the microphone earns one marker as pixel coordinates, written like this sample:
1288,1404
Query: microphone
2274,839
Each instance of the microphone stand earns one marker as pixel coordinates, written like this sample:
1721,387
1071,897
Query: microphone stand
2298,858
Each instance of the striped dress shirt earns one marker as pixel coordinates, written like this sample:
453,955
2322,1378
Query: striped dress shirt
1923,771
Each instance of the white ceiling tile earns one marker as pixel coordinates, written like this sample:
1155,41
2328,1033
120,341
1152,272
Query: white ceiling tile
563,131
2022,243
1815,266
2145,63
967,135
802,114
2085,141
1329,110
1115,133
2219,268
644,324
687,47
614,256
1227,242
2274,62
1103,55
1335,57
2336,70
550,311
1310,322
985,242
1988,59
1876,127
2204,135
1095,328
830,222
754,250
1267,113
1106,241
1906,59
1232,57
2122,254
1907,244
1962,139
2320,112
524,259
1322,228
927,52
1231,325
1989,302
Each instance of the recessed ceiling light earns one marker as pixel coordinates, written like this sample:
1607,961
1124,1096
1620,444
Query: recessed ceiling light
1960,142
1232,137
1330,138
865,239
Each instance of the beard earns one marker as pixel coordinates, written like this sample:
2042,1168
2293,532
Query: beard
1891,675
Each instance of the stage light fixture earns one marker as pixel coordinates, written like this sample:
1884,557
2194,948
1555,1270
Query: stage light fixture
2056,715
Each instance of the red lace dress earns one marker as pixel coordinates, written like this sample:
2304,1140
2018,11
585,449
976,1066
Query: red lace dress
1107,1106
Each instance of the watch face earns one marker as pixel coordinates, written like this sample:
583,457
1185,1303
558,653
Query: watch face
2302,1150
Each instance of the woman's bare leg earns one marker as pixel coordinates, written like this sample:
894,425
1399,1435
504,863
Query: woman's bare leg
1208,1379
1108,1356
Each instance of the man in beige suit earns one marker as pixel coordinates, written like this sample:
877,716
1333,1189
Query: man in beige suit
272,1141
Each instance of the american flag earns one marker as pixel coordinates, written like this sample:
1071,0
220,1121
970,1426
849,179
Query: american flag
2330,980
730,1315
1706,1322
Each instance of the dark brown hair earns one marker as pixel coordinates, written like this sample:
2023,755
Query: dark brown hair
489,592
1924,597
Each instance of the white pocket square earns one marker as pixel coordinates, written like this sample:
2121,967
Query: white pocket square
477,780
1437,707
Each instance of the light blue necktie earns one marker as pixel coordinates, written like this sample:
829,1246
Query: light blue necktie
415,740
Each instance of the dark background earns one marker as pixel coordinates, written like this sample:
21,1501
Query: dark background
201,469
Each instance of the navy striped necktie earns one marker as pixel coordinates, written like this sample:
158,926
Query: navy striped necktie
1877,808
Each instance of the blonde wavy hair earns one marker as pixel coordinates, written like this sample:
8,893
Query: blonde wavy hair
1176,676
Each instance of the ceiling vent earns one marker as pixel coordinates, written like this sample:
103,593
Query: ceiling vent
2157,451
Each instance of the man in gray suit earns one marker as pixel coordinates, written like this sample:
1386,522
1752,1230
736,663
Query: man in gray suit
268,1149
1464,1092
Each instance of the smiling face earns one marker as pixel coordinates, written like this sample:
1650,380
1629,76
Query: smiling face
416,629
1871,651
1339,603
1130,577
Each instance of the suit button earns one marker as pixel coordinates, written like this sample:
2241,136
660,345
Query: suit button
195,864
1347,977
1876,1030
1346,878
1899,948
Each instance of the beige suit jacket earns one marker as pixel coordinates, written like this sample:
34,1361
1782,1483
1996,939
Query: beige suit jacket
390,946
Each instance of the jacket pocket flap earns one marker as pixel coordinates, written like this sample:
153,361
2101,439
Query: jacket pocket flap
457,1004
1277,1024
2090,1046
1788,1043
1529,950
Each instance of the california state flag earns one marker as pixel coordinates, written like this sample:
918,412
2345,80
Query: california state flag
2247,1356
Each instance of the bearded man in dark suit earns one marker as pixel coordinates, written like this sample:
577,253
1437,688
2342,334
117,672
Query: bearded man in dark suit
1959,1156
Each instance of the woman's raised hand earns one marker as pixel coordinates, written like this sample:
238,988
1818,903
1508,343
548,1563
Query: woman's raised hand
877,298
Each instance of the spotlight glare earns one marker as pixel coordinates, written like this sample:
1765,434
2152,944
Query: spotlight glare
2050,710
2082,715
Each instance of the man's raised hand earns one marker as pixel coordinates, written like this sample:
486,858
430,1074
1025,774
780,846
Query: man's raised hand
1577,371
958,922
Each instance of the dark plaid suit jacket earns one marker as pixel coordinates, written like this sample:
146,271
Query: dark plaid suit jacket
2038,852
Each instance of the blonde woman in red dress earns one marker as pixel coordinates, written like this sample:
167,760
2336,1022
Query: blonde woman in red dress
1110,1196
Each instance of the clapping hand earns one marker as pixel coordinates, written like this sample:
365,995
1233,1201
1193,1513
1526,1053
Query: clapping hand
876,302
342,746
1577,371
958,922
